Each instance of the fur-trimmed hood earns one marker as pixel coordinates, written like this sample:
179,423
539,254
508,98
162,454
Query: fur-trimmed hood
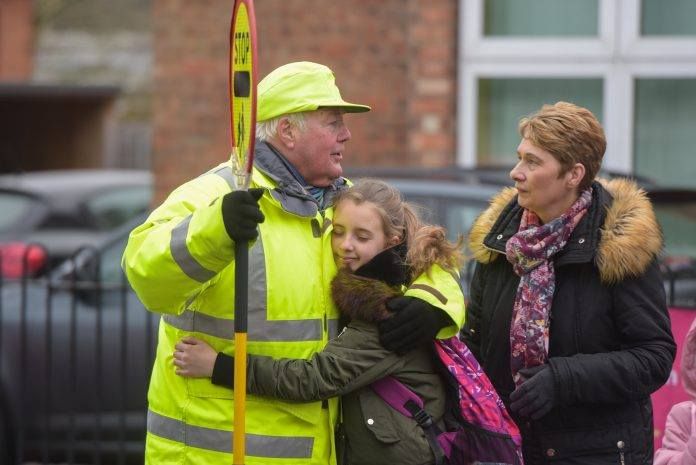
361,298
363,295
628,239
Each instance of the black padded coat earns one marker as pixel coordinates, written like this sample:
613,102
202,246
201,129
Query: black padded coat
610,344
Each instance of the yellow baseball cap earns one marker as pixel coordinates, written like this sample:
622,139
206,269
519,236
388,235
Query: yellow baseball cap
297,87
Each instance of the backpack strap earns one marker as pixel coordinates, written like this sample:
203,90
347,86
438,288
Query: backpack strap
406,402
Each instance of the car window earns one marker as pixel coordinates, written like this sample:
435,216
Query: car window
678,222
426,208
111,271
14,208
460,217
114,207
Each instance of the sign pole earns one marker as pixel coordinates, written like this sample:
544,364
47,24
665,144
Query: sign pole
242,90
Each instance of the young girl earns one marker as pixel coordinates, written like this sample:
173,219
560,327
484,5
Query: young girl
679,441
379,246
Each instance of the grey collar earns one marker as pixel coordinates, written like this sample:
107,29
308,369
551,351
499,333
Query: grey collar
289,192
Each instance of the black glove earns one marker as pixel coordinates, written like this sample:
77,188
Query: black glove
536,396
414,322
241,214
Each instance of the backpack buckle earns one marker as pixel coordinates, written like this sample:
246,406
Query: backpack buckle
422,417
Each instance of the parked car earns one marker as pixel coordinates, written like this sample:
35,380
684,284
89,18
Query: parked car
63,210
76,350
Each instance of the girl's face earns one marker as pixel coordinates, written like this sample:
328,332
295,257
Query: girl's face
358,234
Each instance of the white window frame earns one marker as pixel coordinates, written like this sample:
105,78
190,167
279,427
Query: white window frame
477,46
650,48
618,56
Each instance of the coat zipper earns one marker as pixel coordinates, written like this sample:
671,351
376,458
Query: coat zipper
620,445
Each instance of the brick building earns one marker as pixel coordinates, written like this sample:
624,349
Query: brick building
394,55
447,79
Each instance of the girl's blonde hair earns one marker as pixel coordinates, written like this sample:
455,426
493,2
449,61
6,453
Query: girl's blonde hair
427,244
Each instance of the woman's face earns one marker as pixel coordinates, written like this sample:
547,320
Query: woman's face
540,185
358,234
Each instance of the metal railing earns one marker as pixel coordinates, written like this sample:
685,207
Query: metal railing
75,361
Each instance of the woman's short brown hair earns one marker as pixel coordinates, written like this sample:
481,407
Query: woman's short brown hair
571,134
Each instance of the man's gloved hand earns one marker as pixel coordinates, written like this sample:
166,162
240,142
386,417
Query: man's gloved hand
241,214
414,322
536,396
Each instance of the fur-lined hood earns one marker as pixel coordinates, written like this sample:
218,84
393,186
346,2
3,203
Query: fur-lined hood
361,298
363,295
629,236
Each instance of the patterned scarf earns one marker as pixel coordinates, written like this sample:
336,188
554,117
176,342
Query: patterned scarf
530,252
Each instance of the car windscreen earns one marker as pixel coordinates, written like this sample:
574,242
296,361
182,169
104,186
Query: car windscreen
15,208
113,207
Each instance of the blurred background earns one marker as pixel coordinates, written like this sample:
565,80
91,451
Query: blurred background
106,106
143,83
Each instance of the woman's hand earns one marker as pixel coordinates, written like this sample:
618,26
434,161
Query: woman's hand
194,358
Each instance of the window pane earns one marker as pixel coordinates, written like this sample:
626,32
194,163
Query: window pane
502,102
678,222
664,130
668,17
537,18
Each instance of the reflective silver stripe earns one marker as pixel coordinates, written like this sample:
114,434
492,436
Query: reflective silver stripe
260,328
226,173
325,226
282,447
183,257
202,323
177,243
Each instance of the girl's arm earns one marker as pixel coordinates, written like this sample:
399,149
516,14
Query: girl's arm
349,362
353,360
194,358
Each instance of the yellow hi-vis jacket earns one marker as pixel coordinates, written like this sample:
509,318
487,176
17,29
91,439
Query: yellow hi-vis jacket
181,264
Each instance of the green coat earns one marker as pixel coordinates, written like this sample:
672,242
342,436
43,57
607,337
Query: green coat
375,433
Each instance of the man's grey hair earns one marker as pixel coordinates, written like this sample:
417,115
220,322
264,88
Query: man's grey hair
268,129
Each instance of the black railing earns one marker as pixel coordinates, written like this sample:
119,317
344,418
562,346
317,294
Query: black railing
75,361
680,281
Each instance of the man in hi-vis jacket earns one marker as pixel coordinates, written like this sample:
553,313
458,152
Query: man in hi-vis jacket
181,264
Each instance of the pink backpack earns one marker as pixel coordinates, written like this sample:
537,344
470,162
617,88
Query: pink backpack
478,428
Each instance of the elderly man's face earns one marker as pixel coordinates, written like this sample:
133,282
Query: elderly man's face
319,147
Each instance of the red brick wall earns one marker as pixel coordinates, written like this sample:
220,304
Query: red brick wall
394,55
16,40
